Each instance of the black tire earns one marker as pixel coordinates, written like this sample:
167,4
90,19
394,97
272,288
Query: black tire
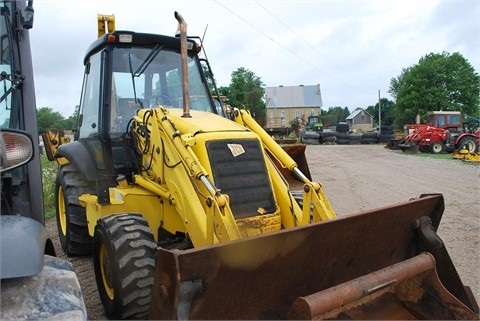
385,138
340,135
326,134
342,128
387,130
469,143
325,137
310,138
342,138
436,147
342,141
124,264
329,139
354,139
369,135
71,216
369,140
310,135
311,141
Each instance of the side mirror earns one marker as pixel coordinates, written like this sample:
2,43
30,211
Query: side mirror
16,148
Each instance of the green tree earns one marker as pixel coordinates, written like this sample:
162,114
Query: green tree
334,115
246,91
48,119
210,79
71,122
387,112
437,82
224,91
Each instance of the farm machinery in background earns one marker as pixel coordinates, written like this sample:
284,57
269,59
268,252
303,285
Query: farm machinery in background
311,133
190,212
444,131
461,143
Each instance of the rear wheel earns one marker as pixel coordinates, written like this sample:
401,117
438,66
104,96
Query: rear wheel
124,264
71,216
436,147
469,143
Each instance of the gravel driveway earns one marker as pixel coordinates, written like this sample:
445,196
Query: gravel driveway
362,177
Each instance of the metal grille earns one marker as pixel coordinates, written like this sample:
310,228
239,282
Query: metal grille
240,172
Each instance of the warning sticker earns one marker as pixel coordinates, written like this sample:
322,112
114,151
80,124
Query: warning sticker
236,149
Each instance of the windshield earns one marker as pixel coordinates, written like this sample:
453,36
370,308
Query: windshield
146,77
141,77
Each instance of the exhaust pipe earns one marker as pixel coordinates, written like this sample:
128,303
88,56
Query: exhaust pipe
182,27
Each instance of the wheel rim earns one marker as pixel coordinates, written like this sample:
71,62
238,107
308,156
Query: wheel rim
105,269
62,212
470,146
437,148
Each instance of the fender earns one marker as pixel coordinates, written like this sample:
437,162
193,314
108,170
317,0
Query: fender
22,245
475,136
77,153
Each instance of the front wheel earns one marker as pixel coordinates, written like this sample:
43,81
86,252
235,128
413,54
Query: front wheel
124,264
436,147
71,216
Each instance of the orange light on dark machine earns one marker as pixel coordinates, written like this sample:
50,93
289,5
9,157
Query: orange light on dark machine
111,38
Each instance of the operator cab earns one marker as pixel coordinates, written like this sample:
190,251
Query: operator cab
125,71
445,119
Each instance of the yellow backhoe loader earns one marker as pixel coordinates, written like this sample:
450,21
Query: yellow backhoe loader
192,213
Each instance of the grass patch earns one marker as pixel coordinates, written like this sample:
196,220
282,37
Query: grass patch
446,156
436,156
49,174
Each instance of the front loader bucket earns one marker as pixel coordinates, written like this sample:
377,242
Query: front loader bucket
409,147
297,153
385,263
392,144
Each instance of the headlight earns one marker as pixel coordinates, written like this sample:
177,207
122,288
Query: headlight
16,148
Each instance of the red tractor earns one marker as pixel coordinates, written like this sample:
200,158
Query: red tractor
427,139
444,131
467,138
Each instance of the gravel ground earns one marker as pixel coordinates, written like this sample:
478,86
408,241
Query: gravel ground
357,178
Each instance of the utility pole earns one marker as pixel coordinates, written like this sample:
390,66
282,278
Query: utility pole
379,114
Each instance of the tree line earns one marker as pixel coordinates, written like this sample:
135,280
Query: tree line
47,118
439,81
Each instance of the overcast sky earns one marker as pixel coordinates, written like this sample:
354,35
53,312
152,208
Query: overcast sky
351,48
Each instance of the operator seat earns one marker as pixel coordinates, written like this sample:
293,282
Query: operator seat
127,108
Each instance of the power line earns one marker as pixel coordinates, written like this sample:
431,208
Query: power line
296,34
284,47
308,43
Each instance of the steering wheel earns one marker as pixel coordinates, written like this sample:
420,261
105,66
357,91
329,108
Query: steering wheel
158,99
